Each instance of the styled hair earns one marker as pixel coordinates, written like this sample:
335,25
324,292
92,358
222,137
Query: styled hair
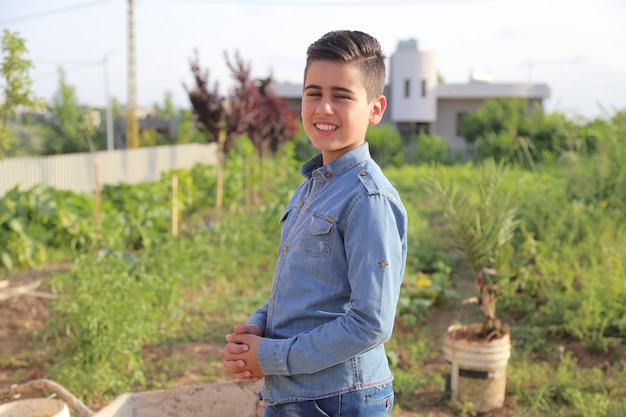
353,48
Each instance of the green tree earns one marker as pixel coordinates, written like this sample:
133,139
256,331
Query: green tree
168,109
187,133
509,130
386,145
429,149
17,88
497,116
88,125
116,108
65,130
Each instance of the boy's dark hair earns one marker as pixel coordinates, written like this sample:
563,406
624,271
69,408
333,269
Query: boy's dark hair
354,48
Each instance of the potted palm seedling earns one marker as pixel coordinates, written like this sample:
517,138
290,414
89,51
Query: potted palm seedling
479,224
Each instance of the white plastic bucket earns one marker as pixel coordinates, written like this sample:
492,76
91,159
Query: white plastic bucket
35,407
477,370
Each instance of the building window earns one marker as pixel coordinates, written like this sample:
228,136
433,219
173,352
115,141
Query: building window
423,88
459,119
407,88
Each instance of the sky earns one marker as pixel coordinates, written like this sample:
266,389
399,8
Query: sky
576,47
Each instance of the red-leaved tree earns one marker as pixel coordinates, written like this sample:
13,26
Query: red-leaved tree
257,111
210,117
252,108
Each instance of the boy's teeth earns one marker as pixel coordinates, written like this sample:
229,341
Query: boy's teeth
325,127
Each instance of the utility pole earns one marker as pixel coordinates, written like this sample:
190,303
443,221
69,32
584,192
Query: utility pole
132,125
109,113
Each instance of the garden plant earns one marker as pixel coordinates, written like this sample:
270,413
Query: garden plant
136,288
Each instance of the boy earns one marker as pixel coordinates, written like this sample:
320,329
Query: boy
319,339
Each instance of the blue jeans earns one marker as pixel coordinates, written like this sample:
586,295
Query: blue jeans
369,402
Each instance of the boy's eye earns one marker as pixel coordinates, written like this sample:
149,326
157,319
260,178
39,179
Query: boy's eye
313,94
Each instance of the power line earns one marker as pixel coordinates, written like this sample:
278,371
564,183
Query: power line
52,11
65,61
67,70
325,3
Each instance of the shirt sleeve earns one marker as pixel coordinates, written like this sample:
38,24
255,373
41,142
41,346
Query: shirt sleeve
375,246
259,317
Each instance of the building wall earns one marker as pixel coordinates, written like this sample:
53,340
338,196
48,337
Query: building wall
413,83
446,126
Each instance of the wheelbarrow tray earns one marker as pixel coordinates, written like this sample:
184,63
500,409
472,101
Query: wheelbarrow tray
221,399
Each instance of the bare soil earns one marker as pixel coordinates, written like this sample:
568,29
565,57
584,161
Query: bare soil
22,357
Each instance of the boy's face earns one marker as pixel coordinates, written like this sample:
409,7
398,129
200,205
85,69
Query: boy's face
335,109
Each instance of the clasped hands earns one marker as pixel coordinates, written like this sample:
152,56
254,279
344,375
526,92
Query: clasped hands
240,353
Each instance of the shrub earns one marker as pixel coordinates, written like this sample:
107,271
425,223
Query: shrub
386,145
427,149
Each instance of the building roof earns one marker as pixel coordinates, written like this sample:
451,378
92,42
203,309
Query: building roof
287,89
479,90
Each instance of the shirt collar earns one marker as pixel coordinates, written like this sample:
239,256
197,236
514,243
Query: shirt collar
351,158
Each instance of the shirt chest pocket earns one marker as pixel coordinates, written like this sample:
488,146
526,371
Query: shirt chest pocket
317,236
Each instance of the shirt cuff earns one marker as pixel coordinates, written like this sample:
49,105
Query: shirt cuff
272,356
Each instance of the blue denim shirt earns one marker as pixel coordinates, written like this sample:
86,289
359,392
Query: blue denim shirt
336,282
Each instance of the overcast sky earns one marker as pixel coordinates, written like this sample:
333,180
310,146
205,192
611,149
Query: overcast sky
576,47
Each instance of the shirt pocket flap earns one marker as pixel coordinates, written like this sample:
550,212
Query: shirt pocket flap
320,226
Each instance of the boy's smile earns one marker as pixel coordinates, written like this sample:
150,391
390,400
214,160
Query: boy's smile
335,108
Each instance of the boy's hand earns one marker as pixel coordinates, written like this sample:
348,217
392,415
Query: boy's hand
249,329
240,353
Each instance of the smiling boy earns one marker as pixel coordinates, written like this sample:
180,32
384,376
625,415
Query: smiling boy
319,339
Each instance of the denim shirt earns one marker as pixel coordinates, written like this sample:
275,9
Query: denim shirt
336,282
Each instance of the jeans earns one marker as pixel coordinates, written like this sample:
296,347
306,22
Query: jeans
369,402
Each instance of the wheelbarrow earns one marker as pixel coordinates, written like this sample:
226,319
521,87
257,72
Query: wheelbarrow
219,399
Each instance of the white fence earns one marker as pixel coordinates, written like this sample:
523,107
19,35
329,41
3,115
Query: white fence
77,172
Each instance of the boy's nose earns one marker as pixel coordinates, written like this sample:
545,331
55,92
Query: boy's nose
324,107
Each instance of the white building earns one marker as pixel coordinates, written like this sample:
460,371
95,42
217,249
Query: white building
417,102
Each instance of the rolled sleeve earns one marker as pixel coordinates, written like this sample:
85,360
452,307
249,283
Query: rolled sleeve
272,357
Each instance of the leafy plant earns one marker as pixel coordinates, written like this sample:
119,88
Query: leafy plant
15,69
421,290
480,227
36,222
566,275
428,149
110,307
517,131
385,144
66,131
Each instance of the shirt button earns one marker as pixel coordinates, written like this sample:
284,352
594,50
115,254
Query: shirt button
328,175
363,173
383,264
285,249
300,204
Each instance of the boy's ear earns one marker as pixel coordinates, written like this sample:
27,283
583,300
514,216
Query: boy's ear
378,109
